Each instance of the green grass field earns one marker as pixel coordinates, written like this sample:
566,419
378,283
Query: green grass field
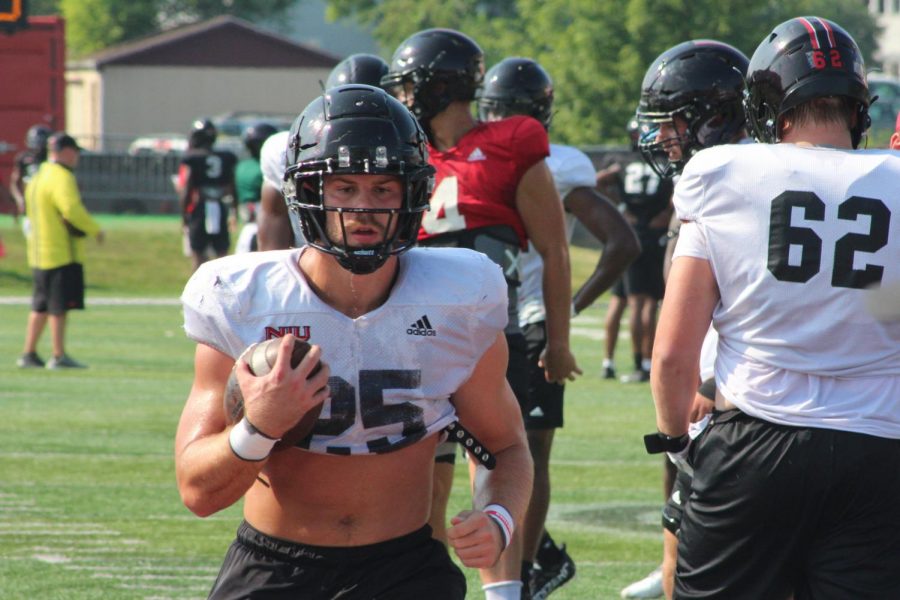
88,503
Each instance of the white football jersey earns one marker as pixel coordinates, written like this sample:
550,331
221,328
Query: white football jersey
392,370
794,235
571,168
272,157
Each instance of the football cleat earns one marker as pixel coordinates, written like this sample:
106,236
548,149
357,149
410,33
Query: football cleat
648,587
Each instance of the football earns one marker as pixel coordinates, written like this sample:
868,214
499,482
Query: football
261,358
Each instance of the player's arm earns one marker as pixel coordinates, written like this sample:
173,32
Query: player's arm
274,225
691,296
541,212
209,473
183,186
17,189
487,407
620,244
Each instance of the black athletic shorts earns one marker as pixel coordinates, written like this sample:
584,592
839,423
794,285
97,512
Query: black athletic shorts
776,510
58,290
645,274
200,240
411,567
546,408
518,370
674,507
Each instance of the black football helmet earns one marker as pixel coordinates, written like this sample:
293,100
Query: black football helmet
357,129
516,86
36,138
358,68
700,81
256,135
203,134
803,59
438,66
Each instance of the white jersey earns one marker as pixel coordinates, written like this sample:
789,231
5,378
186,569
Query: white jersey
272,158
571,168
793,236
393,369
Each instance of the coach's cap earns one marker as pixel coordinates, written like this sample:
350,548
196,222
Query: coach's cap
60,141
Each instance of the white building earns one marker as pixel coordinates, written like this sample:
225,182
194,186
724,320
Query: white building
887,13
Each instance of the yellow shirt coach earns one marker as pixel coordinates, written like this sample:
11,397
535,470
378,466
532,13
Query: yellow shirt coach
52,200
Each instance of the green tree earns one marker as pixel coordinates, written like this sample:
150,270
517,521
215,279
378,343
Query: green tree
597,51
92,25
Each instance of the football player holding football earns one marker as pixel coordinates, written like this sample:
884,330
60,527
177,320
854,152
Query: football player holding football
344,512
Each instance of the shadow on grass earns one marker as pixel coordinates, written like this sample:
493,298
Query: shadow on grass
627,517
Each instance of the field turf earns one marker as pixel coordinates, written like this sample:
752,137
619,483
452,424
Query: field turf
88,503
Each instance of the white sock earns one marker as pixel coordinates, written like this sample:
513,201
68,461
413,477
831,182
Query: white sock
645,364
607,363
502,590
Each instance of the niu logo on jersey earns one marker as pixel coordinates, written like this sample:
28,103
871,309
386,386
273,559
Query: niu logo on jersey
422,327
298,331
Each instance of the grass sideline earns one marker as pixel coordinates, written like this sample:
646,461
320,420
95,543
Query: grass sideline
88,504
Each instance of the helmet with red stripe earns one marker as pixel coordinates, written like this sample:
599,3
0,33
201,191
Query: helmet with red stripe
803,59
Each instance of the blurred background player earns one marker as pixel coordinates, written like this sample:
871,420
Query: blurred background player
645,199
690,99
206,193
59,224
520,86
275,228
248,180
795,479
26,164
493,193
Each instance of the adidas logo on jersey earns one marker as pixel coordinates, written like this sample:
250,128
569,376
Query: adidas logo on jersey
422,327
477,154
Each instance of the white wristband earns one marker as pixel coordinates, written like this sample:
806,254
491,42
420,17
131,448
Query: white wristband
503,519
249,443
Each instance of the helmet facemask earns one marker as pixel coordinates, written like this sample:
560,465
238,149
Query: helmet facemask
357,130
308,201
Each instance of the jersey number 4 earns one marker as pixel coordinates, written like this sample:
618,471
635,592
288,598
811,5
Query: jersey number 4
444,199
783,234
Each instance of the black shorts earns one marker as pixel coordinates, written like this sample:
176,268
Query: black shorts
546,408
776,510
200,240
518,369
58,290
645,274
410,567
674,507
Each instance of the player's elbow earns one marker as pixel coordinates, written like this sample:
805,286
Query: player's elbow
196,501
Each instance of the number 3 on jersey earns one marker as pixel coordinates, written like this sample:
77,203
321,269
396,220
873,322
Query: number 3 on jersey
444,215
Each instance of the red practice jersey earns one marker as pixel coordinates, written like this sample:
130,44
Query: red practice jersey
476,180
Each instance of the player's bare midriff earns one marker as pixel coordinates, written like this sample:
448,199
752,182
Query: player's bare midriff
328,500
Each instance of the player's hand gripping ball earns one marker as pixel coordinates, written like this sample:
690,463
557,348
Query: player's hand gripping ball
261,358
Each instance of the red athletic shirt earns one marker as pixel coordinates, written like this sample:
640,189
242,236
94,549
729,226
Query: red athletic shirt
476,180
